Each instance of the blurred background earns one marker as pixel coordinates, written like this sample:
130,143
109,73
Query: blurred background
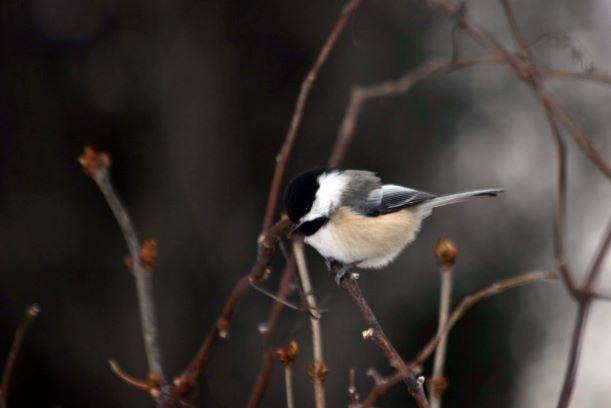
192,99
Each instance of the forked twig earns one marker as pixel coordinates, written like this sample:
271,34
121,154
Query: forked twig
465,304
97,165
376,334
318,370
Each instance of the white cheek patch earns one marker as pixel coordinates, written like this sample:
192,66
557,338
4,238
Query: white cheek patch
330,190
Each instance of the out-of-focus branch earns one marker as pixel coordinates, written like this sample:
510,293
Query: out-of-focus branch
11,360
406,82
526,71
469,300
375,333
445,254
317,370
584,303
306,86
271,234
465,304
600,77
287,356
268,354
97,165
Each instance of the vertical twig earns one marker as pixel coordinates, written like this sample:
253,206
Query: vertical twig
445,254
464,305
318,370
287,356
11,360
586,296
288,382
263,377
97,165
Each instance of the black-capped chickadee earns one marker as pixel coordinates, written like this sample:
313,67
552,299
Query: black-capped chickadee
350,217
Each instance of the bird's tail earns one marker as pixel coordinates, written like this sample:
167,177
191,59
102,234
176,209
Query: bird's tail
459,197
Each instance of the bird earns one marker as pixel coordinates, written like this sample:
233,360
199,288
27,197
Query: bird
351,217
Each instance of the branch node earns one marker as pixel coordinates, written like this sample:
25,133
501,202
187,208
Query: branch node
288,354
318,371
367,334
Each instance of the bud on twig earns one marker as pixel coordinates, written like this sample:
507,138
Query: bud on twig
289,354
148,255
318,371
445,253
92,160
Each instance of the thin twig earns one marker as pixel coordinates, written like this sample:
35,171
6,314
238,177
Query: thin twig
271,234
263,376
470,300
600,77
353,394
584,304
375,333
360,95
466,303
438,382
11,360
288,382
97,165
526,71
318,370
306,86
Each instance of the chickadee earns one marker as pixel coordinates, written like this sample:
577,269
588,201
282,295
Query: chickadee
350,217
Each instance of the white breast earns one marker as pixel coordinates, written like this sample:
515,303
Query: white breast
371,242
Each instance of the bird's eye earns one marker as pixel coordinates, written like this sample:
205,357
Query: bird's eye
311,227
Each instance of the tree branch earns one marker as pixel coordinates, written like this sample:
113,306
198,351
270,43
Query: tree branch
97,165
583,311
306,86
318,370
376,334
445,254
465,304
11,360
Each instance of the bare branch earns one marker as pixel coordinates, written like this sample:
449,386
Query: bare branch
525,70
600,77
97,165
287,356
318,370
11,360
376,334
470,300
445,254
306,86
583,312
263,377
405,83
464,305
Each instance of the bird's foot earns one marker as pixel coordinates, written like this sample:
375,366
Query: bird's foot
340,270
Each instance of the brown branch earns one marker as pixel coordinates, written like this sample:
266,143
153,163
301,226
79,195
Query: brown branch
583,310
405,83
306,86
97,165
465,304
600,77
445,254
376,334
268,354
469,300
11,360
271,234
317,370
526,71
150,384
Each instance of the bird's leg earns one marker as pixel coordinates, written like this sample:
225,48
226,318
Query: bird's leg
340,270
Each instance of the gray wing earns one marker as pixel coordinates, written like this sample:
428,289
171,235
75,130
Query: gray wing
390,198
